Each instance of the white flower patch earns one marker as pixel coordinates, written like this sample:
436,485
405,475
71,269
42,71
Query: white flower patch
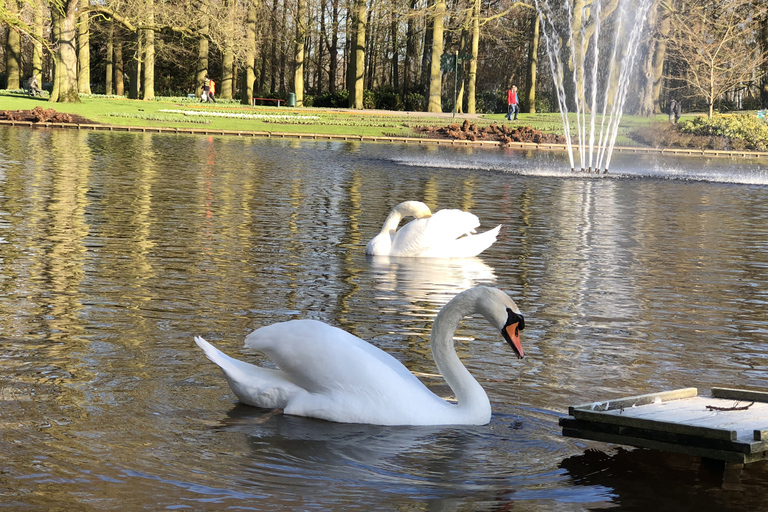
279,117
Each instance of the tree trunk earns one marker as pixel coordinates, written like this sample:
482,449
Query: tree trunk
119,68
460,78
228,58
393,27
250,55
65,81
349,78
273,52
227,74
55,36
426,55
203,48
149,53
472,79
358,55
109,61
298,46
135,69
149,64
435,73
334,48
663,31
283,52
764,48
13,52
83,49
320,50
411,50
533,63
37,44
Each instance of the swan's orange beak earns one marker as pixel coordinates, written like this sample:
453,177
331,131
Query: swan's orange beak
511,333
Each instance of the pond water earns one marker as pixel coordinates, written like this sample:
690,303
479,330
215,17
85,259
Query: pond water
116,249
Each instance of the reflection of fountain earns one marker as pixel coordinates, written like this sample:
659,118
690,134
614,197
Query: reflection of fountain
600,69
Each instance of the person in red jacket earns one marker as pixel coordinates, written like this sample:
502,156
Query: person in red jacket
513,107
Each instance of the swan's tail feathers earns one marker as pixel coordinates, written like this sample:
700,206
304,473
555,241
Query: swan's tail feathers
253,385
472,245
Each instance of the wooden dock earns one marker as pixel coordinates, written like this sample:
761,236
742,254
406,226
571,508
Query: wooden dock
731,425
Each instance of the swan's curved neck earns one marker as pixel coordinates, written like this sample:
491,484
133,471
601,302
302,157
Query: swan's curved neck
470,395
393,220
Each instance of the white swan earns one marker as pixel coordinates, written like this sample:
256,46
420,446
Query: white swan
327,373
446,234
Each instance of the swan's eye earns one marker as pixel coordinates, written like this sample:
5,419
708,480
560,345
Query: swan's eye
513,317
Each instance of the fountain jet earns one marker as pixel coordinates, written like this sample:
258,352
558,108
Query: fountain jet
600,70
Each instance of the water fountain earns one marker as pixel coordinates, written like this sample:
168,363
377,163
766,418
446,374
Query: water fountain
600,69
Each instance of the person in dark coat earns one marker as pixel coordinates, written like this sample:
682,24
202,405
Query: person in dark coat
675,110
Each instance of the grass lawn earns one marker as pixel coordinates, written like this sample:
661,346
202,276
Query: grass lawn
231,115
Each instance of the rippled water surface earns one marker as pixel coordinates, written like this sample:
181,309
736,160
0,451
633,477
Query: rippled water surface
116,249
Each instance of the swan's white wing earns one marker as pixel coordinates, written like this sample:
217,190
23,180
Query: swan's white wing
253,385
346,379
318,356
464,247
436,236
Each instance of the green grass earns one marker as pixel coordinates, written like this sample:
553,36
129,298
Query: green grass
169,112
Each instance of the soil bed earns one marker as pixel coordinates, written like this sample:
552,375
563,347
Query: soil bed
43,115
494,132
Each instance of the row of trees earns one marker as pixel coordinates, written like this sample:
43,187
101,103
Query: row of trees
700,51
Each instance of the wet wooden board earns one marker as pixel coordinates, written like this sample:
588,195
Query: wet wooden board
730,425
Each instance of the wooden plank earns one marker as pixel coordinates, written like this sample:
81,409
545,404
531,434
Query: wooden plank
695,411
697,451
745,446
683,408
629,421
740,427
740,394
624,403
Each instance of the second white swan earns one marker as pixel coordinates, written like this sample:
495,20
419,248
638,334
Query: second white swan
325,372
444,234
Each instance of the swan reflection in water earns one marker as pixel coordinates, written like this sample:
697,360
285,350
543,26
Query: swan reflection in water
433,280
447,465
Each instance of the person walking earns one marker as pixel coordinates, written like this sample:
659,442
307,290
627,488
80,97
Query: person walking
212,92
206,89
513,107
675,111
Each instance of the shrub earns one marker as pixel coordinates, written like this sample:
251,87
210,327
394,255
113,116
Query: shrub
369,100
414,102
744,131
388,98
339,99
491,102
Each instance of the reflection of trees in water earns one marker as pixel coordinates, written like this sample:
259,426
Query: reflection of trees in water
642,480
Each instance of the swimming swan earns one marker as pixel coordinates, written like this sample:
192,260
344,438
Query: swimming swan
446,234
327,373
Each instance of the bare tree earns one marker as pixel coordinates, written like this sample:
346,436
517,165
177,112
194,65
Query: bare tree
716,46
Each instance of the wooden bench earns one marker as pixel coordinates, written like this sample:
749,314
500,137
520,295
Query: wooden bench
278,100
